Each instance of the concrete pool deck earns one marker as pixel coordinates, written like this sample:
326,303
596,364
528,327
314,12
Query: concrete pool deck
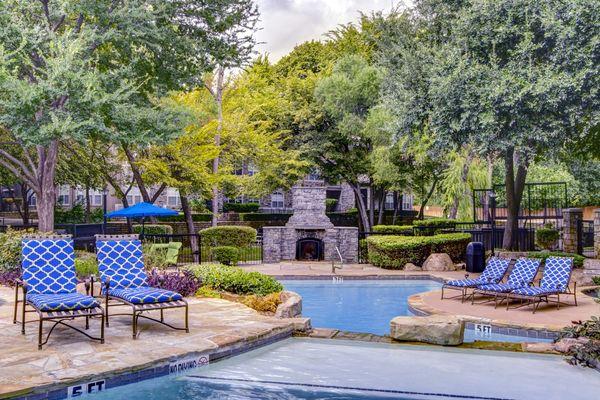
546,318
217,327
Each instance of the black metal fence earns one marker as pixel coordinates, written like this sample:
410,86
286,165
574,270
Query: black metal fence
192,249
586,237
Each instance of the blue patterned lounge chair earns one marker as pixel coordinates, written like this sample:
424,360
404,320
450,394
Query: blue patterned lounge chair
493,273
124,281
49,286
555,281
521,276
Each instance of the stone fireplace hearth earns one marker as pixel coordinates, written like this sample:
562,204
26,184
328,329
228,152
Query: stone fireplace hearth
309,234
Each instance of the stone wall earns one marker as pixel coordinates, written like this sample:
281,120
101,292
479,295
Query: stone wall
597,232
571,217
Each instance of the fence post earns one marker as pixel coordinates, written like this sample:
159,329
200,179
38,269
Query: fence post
597,232
572,230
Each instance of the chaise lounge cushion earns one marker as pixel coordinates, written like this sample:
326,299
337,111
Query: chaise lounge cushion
62,302
536,291
145,295
467,282
501,287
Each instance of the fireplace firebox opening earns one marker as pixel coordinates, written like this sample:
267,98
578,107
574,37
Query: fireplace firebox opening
309,249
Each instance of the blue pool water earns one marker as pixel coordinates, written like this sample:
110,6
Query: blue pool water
349,370
365,306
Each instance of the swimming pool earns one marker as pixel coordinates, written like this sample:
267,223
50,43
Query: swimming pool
349,370
357,305
368,305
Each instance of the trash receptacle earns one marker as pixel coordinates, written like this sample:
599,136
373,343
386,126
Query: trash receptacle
475,257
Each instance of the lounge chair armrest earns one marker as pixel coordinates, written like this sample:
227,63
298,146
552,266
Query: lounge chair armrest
466,276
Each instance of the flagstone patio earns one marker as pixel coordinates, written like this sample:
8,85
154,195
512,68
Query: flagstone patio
216,326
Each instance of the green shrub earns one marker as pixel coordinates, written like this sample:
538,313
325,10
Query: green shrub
85,264
10,247
228,255
237,281
150,229
330,204
201,217
546,237
76,215
236,236
276,217
363,250
433,226
596,280
394,252
577,258
241,207
406,230
154,258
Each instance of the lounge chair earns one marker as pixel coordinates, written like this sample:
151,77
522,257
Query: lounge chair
49,286
555,281
521,276
170,251
124,281
493,273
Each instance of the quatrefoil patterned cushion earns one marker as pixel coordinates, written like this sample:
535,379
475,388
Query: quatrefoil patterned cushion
123,262
520,276
145,295
62,302
557,273
493,273
48,266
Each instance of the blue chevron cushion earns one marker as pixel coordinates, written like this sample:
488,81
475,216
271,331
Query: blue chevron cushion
493,272
48,265
557,273
535,291
500,287
62,302
145,295
123,262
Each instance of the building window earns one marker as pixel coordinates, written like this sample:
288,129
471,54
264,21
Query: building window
389,201
96,199
407,201
33,201
63,196
313,176
277,200
134,199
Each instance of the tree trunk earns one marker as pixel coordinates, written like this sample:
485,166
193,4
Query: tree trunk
514,194
463,181
396,207
371,200
88,205
189,221
381,207
424,201
46,191
218,96
25,199
362,208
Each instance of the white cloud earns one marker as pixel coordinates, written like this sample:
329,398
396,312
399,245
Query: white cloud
286,23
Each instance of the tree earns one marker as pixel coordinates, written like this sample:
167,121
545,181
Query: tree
342,150
513,78
72,70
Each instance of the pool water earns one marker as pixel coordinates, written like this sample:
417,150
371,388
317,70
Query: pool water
349,370
364,305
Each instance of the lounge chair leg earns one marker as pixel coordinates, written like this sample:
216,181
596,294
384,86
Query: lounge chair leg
23,317
106,311
575,297
87,322
495,301
134,324
40,333
557,301
507,302
442,293
187,329
162,317
102,329
16,304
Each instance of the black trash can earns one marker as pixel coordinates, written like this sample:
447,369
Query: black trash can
475,257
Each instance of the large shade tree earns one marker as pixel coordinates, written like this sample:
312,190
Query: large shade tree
515,79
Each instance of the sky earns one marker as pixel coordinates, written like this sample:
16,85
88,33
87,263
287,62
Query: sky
286,23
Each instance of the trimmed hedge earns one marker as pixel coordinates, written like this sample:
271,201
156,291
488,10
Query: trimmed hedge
546,238
203,217
227,255
280,217
405,230
154,229
577,259
393,252
236,236
432,226
235,280
241,207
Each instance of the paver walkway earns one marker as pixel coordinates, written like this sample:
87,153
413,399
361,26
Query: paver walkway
214,324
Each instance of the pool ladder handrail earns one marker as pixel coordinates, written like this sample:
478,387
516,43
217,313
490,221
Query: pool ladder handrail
333,265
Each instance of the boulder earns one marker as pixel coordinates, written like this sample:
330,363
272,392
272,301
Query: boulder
591,268
565,345
412,267
290,306
447,330
460,266
438,262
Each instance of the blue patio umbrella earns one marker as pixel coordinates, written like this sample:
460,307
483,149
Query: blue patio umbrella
142,210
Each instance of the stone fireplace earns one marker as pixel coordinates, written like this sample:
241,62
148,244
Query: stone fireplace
309,234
